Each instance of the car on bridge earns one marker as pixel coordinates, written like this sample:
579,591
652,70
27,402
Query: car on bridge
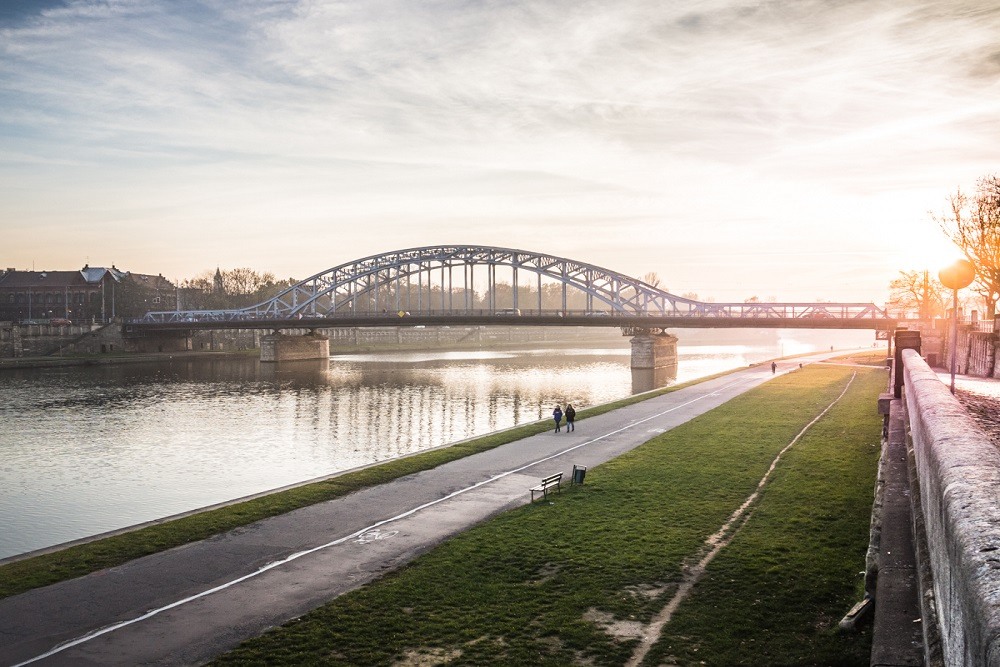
509,312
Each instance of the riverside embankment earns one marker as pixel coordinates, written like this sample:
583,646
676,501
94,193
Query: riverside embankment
956,469
209,595
88,450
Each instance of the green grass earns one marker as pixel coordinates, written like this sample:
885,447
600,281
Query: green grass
20,576
794,569
535,585
865,358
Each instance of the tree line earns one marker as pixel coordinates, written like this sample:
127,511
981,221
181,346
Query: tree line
229,289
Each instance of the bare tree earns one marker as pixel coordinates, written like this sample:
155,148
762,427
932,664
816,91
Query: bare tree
918,291
973,224
244,281
652,279
241,287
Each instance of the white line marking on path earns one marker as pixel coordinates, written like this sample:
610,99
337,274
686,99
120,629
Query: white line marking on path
373,535
715,544
360,533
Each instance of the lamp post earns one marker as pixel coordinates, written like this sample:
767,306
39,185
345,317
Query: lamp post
955,277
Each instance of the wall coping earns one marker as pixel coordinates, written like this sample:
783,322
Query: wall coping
958,469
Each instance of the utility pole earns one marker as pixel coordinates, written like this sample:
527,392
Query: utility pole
955,277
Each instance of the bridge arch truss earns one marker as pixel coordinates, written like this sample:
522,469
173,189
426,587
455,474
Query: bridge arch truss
383,281
405,281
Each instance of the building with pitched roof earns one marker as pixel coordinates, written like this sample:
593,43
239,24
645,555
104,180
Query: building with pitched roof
92,294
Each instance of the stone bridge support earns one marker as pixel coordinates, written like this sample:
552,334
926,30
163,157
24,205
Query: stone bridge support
653,351
285,347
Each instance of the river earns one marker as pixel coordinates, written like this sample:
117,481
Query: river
85,450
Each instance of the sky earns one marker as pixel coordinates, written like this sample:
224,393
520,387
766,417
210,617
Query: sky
792,151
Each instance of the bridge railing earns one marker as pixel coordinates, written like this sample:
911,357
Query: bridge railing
755,311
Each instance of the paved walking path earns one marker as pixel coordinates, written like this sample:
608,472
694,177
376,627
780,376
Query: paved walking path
191,603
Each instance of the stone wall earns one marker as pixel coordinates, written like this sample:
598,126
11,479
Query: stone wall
958,471
980,353
283,347
657,351
226,340
976,351
35,340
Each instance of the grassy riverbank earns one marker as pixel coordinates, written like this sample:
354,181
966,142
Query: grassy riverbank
574,580
23,575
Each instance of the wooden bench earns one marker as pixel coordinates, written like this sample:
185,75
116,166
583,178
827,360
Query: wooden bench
552,481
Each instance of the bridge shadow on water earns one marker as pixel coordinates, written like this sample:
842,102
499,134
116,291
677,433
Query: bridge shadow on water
648,379
315,372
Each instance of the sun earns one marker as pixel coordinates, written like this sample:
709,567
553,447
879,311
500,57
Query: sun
929,252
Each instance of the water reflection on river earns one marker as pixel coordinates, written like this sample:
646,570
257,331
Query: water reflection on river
87,450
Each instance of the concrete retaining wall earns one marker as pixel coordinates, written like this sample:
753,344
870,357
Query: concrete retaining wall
959,475
29,340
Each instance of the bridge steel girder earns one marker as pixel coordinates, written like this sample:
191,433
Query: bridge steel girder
337,291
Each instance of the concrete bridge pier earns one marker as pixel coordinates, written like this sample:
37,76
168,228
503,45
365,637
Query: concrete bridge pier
285,347
654,351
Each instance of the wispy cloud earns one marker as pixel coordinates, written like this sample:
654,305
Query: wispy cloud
722,122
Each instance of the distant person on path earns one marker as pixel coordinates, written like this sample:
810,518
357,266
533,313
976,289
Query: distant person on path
570,418
557,415
774,368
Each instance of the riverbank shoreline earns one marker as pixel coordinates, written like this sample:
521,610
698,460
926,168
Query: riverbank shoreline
56,548
49,565
470,444
314,525
110,360
147,357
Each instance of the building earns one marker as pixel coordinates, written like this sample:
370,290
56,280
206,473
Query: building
92,294
151,293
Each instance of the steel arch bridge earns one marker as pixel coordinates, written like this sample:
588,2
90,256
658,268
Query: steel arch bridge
423,282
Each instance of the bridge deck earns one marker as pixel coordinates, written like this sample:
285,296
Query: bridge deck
591,320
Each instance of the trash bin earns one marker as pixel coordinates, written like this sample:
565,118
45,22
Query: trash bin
579,472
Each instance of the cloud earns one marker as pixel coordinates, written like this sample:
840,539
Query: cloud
764,122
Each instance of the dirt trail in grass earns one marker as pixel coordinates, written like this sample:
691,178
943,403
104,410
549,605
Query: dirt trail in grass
714,544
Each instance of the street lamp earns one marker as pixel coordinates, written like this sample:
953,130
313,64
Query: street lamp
955,277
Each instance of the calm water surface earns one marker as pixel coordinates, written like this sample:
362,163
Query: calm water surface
88,450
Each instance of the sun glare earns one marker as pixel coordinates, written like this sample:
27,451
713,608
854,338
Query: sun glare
932,254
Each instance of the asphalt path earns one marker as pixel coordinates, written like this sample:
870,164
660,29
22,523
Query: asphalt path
189,604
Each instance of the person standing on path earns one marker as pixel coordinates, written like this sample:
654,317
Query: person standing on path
774,367
557,415
570,418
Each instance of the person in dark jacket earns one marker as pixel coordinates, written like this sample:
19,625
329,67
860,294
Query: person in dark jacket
557,414
570,418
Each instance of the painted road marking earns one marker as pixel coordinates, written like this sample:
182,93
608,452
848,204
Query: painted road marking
373,535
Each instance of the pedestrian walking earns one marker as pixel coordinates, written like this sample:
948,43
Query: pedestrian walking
557,414
774,368
570,418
